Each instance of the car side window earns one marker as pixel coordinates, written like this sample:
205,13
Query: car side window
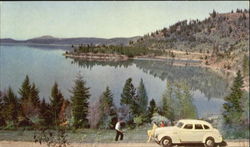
188,126
198,127
180,124
206,127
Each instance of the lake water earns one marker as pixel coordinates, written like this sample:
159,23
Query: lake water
46,65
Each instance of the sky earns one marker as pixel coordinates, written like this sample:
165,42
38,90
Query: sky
25,20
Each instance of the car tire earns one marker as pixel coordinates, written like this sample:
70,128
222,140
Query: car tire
209,142
166,142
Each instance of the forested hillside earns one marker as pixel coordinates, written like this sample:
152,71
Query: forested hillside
220,30
221,40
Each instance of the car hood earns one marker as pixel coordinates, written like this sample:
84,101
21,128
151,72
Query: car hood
165,129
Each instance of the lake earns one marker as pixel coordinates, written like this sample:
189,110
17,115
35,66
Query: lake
46,65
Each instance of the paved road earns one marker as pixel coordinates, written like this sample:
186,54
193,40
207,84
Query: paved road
240,143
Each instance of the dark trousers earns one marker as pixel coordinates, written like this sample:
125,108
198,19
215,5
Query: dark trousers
118,133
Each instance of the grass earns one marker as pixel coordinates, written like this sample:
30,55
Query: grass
138,135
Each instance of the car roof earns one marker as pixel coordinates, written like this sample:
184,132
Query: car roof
193,121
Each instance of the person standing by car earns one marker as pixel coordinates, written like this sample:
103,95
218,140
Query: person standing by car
118,130
162,124
152,132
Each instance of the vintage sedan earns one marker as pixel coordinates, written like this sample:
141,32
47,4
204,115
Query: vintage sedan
188,131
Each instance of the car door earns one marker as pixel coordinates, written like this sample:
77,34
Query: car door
186,133
198,132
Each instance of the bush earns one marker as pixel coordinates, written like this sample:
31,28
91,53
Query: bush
157,118
56,138
138,120
10,125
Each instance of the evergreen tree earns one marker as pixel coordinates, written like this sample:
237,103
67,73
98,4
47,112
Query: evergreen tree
10,106
142,97
168,102
151,109
107,109
2,120
188,109
56,102
34,95
232,108
24,91
177,102
128,97
79,100
213,14
45,114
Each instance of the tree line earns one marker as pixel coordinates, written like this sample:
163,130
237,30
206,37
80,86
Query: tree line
28,110
129,51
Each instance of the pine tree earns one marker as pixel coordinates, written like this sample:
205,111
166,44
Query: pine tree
45,114
107,109
34,95
213,14
79,99
142,97
128,97
2,120
128,92
24,91
151,110
188,109
232,108
168,102
177,102
11,106
56,102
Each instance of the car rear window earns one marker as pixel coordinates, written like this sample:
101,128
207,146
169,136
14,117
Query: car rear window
198,126
188,126
206,127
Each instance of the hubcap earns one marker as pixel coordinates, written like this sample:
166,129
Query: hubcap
165,142
209,142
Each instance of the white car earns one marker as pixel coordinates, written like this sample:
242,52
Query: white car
188,131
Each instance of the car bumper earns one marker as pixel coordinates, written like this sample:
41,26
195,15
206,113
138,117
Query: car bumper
156,140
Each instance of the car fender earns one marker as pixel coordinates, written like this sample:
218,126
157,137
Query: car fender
217,138
206,136
174,137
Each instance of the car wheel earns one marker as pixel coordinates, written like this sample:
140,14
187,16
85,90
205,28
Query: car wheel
166,142
209,142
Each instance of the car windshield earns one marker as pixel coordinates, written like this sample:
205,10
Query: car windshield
179,124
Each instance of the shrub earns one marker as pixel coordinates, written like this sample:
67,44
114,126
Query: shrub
138,120
157,118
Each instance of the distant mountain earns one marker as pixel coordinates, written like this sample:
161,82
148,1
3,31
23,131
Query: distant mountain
50,40
9,40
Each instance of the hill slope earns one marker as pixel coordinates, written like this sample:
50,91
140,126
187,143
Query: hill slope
221,39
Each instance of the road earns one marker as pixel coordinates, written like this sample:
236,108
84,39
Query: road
234,143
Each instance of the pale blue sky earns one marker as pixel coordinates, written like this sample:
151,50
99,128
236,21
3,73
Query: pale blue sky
24,20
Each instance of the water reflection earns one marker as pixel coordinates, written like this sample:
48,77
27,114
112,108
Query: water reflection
203,79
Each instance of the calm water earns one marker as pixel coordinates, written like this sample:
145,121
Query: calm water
45,66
